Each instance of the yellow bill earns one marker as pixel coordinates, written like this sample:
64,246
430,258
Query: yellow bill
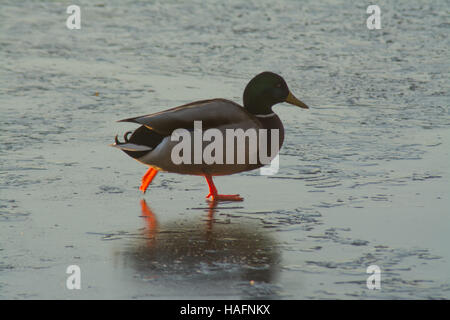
293,100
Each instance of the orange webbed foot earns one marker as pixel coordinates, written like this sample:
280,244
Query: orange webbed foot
215,196
225,197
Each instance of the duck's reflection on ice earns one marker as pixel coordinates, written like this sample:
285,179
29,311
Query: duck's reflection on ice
207,253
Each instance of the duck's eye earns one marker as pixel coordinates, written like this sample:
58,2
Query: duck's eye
278,85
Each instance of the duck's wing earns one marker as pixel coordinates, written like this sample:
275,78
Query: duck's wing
213,113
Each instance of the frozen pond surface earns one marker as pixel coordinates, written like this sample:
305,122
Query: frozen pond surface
364,174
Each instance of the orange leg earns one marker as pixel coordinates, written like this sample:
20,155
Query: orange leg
217,197
147,179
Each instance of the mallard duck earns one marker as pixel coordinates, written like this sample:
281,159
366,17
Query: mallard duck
153,142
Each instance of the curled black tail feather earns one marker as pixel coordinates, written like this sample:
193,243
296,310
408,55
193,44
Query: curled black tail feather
141,136
125,138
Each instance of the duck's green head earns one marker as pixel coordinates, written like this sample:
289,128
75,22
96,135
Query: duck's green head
265,90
